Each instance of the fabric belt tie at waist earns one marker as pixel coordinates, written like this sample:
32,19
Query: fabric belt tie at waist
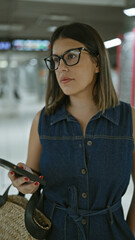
78,214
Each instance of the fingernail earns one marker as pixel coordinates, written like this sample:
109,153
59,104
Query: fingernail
12,173
26,179
22,167
36,183
41,177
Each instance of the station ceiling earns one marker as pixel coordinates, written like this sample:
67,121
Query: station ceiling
34,19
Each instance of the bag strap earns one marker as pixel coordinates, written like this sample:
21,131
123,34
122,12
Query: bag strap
36,201
4,197
33,227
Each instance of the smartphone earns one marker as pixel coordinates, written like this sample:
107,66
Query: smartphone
20,172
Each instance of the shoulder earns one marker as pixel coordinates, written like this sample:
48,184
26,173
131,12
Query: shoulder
37,117
126,109
124,105
133,113
133,170
125,112
133,119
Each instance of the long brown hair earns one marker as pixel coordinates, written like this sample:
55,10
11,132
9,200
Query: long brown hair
104,94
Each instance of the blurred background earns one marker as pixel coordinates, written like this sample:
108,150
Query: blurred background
25,30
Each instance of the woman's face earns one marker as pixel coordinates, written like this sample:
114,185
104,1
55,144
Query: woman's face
77,79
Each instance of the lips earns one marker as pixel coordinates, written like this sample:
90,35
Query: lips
66,80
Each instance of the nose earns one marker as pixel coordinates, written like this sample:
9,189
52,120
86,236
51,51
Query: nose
62,65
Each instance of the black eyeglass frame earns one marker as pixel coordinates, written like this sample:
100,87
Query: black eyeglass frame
62,57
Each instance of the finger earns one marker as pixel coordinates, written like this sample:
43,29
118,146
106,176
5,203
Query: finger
35,186
29,188
17,182
42,177
11,175
21,165
24,166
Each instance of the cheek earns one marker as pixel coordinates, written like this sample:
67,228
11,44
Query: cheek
91,71
88,73
57,76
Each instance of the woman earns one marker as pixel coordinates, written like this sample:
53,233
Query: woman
82,142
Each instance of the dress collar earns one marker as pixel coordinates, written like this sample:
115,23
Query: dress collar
111,114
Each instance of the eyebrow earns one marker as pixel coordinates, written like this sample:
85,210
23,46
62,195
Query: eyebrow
70,49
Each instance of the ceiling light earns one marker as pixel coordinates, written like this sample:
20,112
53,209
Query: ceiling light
90,2
129,12
12,27
58,17
112,43
51,29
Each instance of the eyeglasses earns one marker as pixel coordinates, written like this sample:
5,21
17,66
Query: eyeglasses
71,57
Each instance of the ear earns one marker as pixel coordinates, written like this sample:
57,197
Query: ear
97,69
97,64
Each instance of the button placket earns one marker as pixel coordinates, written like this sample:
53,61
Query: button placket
83,171
84,221
84,195
89,143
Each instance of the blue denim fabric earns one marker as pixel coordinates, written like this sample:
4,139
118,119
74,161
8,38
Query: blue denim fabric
86,178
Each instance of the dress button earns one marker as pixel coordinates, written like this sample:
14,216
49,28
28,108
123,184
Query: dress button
89,143
83,171
84,221
84,195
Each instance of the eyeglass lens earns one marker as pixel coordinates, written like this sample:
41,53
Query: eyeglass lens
70,58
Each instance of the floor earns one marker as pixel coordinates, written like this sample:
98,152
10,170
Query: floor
15,122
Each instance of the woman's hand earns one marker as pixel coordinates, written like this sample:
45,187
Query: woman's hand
23,184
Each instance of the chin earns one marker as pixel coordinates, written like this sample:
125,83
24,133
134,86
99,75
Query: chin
67,92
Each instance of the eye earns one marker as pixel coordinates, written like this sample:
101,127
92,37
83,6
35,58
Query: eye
55,59
71,56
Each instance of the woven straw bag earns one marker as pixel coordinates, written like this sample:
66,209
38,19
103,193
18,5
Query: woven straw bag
12,224
18,222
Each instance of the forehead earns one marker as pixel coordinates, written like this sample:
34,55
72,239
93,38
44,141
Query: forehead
61,45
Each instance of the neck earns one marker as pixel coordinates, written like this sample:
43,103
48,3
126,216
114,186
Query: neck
83,110
84,103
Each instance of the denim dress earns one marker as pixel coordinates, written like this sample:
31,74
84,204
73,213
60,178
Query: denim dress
87,177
